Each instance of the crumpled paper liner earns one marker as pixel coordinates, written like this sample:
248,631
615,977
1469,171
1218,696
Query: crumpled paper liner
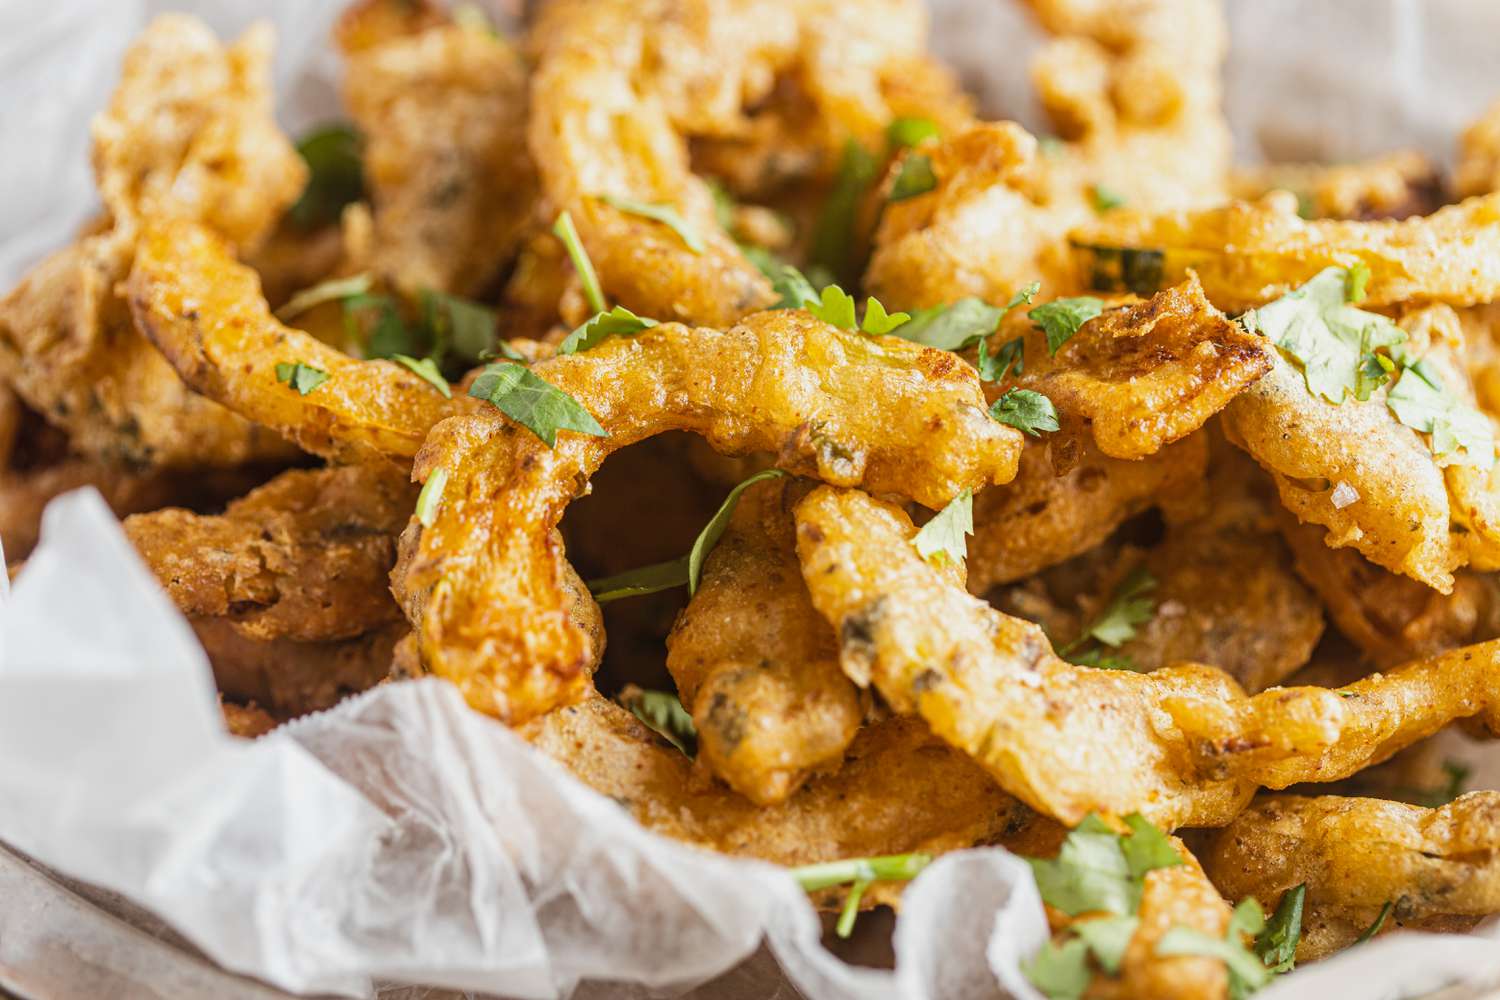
401,836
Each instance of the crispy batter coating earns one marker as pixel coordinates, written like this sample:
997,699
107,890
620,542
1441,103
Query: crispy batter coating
899,790
1041,518
443,113
1247,254
246,721
619,87
289,677
482,583
1355,855
1143,375
1394,185
189,134
755,664
1065,739
207,315
1405,512
1478,170
1288,735
306,556
1135,90
1393,618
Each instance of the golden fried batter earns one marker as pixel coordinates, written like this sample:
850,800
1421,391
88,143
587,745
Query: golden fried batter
246,721
206,313
620,86
899,790
1392,186
305,557
1478,170
1247,254
443,113
1141,376
1065,739
1040,519
755,664
481,584
189,134
1437,866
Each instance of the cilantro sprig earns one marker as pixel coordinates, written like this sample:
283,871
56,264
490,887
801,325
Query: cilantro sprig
1026,410
302,377
667,215
1060,319
1247,972
1277,944
618,322
1129,606
533,402
662,712
942,538
332,290
564,230
685,570
914,178
335,174
1379,923
961,324
431,496
858,874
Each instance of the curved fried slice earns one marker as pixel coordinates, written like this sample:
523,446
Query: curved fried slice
189,134
289,677
1356,855
755,664
206,314
1247,254
1394,185
899,790
1288,735
1478,170
1393,618
307,556
1067,740
1373,482
481,583
1040,519
1143,375
619,89
1134,88
443,113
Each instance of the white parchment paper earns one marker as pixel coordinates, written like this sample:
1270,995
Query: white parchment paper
401,836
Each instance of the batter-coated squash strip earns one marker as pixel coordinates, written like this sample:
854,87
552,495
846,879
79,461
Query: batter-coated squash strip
1247,254
755,663
1283,736
206,313
899,790
482,583
1067,740
620,86
1145,374
1438,867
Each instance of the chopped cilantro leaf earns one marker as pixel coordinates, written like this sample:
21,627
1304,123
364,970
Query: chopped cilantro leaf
665,214
792,285
914,178
532,402
1375,928
1460,433
885,868
1147,848
877,321
1246,971
1277,943
1107,938
907,132
1130,606
942,538
564,230
1060,971
1010,357
952,327
1089,874
458,326
1105,198
335,175
1026,410
714,530
1100,658
663,714
304,378
388,335
333,290
835,308
618,322
833,234
431,496
427,369
1355,280
1061,318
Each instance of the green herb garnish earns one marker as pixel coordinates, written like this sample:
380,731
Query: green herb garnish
1060,319
1105,198
426,369
532,402
618,322
914,178
458,327
1375,928
665,214
907,132
1026,410
332,290
877,321
858,874
431,496
663,714
1277,944
835,307
833,235
1247,973
302,377
942,537
1130,605
1421,401
564,230
335,175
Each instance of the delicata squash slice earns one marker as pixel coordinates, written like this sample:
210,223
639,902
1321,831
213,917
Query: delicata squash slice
481,580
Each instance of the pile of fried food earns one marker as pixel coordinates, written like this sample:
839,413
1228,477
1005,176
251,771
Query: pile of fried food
1137,515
